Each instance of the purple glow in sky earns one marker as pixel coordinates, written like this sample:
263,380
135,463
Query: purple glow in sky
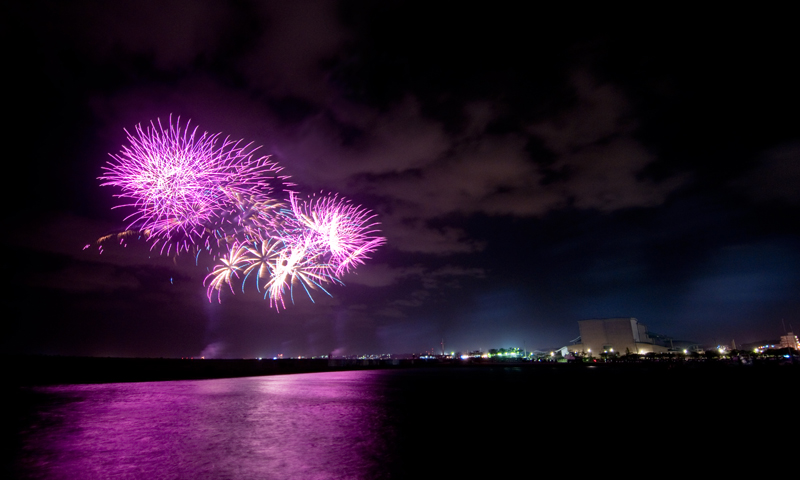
345,232
184,185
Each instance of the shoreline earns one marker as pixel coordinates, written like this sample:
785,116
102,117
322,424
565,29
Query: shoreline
41,370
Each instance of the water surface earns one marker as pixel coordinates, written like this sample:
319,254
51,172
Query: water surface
325,425
408,423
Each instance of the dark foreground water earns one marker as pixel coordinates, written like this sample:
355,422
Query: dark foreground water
400,424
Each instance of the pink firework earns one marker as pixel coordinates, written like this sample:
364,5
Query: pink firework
193,191
184,184
229,267
344,232
293,262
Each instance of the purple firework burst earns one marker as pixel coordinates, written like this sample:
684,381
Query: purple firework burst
341,231
184,185
197,192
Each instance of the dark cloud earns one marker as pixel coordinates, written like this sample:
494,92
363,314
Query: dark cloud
776,175
381,275
86,278
293,42
172,34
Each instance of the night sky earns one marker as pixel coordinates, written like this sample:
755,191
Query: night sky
530,168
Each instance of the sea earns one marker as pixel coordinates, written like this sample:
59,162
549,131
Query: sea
473,422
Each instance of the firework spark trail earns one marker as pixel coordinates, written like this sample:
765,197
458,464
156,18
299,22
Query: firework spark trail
258,259
222,273
342,229
197,192
295,262
181,182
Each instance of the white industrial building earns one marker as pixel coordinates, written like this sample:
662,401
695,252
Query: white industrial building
615,335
